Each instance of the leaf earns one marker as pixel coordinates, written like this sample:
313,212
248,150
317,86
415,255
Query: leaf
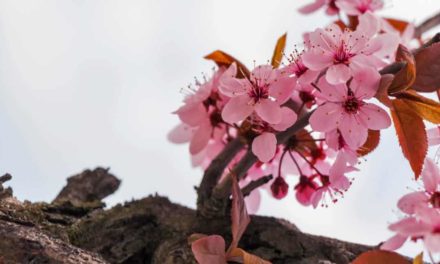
428,69
372,142
426,108
411,133
223,59
341,24
278,52
209,250
406,76
380,257
418,259
239,215
241,256
382,92
399,25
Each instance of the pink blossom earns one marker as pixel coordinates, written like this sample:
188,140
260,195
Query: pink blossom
305,94
430,196
424,224
331,8
265,144
305,189
302,72
359,7
279,188
335,141
344,53
345,109
263,92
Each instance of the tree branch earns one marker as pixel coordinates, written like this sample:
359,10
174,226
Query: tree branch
255,184
426,25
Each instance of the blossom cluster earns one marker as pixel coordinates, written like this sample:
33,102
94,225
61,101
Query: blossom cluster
333,79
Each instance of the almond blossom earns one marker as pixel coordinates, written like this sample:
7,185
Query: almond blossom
344,53
262,93
345,109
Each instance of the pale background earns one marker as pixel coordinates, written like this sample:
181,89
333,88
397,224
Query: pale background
93,82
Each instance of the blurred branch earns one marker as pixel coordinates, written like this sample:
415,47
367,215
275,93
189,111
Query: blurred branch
255,184
426,25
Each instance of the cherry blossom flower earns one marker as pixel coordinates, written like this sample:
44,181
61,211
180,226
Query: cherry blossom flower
335,141
305,189
302,72
345,53
331,8
263,92
359,7
430,196
345,109
279,188
201,114
424,224
265,144
305,94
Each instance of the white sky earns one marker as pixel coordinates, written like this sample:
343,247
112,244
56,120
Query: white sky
88,83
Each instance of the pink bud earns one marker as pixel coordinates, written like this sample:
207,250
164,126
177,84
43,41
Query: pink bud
279,188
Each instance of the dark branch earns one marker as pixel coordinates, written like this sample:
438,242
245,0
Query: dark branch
428,24
256,184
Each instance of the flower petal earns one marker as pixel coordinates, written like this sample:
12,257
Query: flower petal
317,60
269,111
326,117
338,73
282,89
430,175
201,138
353,131
409,202
374,117
394,242
264,146
237,109
182,133
287,120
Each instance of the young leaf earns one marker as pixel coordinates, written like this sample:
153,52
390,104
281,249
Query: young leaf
426,108
222,58
411,133
428,68
380,257
239,215
418,259
241,256
209,250
278,51
399,25
406,76
372,142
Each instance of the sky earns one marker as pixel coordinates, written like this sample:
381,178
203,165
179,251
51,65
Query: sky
93,83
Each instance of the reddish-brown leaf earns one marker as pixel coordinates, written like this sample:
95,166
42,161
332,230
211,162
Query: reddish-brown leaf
371,143
411,133
428,69
278,51
341,24
406,76
418,259
399,25
209,250
241,256
426,108
223,59
380,257
239,215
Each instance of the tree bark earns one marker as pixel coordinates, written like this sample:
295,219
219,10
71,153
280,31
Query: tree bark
75,228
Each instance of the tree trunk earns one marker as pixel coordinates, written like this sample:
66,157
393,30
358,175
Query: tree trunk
75,228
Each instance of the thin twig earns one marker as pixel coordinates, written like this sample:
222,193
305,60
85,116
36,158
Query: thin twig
426,25
255,184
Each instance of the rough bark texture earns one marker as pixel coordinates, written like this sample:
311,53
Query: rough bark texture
150,230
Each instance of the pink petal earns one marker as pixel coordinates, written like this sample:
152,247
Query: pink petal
338,73
433,136
348,7
263,73
409,202
432,242
326,117
354,132
233,87
317,60
393,243
410,227
237,109
430,175
279,188
201,138
181,134
282,89
269,111
253,201
287,120
369,25
209,250
308,77
264,146
365,82
310,8
374,117
332,93
192,114
384,45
